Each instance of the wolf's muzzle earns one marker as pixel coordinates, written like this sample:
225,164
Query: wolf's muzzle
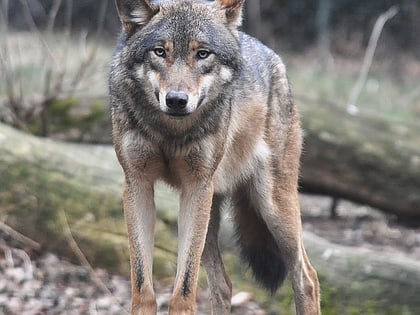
177,101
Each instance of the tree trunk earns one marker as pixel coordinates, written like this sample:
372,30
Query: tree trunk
366,159
42,181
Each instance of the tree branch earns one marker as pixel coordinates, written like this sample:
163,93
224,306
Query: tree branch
367,60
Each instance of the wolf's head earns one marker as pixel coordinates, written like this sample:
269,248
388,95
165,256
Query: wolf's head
182,53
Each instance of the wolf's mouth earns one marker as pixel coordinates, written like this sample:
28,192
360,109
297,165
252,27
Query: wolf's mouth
177,115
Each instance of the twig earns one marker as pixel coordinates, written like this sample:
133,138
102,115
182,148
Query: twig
7,75
4,18
370,51
29,271
80,73
8,253
82,258
55,91
68,18
34,28
18,236
52,15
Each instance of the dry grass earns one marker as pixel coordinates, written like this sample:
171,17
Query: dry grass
40,67
390,91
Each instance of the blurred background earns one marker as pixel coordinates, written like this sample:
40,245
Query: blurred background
354,68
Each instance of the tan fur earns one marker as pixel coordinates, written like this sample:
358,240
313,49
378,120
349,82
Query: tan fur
243,147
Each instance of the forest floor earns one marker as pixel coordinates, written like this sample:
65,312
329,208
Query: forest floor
359,226
32,284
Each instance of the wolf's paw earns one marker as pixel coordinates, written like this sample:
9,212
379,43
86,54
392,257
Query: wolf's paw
149,308
181,307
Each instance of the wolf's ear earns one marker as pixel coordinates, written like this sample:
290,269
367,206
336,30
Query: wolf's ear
135,13
233,11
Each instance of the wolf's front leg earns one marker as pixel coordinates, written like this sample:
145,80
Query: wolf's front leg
194,216
140,216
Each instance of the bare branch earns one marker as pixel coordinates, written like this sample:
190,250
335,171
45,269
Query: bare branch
92,55
8,255
57,75
82,258
34,28
52,15
101,18
4,18
370,51
5,55
29,272
68,18
18,236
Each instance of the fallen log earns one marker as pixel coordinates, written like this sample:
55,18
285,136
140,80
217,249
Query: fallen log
389,279
45,185
367,159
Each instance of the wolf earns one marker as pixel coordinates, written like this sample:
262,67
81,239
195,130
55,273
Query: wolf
207,109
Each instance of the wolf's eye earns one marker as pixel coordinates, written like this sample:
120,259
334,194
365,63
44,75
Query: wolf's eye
203,54
160,52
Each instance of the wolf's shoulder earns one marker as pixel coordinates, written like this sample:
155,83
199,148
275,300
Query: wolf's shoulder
255,51
260,62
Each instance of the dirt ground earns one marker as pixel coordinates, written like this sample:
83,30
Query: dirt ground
46,284
358,225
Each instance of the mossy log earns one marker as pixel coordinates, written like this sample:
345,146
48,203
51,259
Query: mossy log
41,180
45,185
390,281
369,159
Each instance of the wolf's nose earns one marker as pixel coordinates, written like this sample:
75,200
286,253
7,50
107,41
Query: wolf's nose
176,100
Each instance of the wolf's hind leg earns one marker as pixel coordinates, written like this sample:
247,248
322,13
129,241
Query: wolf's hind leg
285,225
305,285
284,222
278,213
218,281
